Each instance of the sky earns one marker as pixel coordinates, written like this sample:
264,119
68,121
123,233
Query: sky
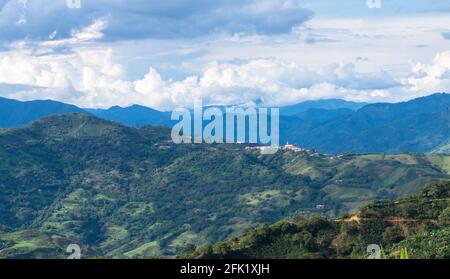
168,54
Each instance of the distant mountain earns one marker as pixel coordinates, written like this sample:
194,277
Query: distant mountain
128,192
327,104
419,125
16,113
329,126
133,116
316,116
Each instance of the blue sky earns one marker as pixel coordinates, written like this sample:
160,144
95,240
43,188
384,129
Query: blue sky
166,54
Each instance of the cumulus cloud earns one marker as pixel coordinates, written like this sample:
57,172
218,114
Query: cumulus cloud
66,67
89,77
434,77
138,19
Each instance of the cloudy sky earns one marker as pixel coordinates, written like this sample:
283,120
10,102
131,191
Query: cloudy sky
166,54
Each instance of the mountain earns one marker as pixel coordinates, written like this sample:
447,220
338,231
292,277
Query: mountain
329,126
419,125
15,113
415,227
125,192
317,116
327,104
134,115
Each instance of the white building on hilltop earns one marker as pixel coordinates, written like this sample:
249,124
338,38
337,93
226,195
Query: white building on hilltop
292,147
287,147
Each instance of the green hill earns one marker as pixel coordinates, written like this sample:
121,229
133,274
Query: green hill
129,192
419,225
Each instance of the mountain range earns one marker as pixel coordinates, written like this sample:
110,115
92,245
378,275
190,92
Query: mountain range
419,125
329,126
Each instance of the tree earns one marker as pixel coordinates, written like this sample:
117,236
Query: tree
392,235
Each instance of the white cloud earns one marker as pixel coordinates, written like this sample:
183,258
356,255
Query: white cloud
89,75
89,78
92,32
432,77
17,67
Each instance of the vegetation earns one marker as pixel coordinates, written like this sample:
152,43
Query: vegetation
129,192
412,227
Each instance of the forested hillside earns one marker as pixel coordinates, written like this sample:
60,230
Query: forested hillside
129,192
413,227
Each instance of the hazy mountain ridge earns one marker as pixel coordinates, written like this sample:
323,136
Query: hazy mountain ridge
16,114
419,125
326,104
137,115
330,126
133,116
